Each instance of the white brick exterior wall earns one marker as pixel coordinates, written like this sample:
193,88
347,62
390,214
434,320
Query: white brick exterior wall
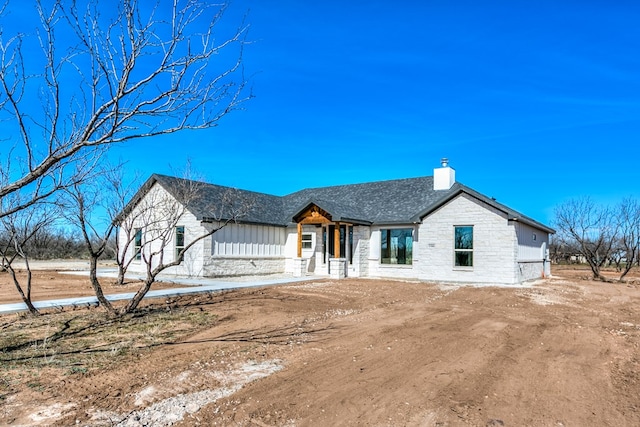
494,246
493,243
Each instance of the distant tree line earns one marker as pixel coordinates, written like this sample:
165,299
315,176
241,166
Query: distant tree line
47,243
599,235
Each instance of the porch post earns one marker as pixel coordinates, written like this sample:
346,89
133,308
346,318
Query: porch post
336,240
299,240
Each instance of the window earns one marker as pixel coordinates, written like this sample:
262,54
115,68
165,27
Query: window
307,241
137,244
179,241
329,244
396,246
463,252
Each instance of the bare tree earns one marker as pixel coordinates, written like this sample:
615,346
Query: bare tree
592,227
125,236
18,229
163,243
628,215
79,205
94,73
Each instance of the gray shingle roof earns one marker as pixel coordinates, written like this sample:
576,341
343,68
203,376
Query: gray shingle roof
264,208
394,201
382,202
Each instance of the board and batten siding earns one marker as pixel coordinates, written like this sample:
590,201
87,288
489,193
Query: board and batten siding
249,240
532,245
246,249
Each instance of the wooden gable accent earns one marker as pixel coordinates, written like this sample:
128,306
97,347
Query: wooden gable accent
313,215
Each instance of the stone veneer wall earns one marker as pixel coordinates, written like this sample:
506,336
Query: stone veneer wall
242,266
361,240
530,270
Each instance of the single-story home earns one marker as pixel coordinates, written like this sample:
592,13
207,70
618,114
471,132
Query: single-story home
429,228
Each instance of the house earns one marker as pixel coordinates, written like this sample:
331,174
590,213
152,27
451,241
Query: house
428,228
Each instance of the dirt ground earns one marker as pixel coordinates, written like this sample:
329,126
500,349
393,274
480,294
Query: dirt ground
561,352
48,284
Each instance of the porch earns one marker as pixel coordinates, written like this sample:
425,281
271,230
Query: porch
325,245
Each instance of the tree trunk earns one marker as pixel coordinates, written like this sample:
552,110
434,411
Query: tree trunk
137,298
595,269
93,276
25,298
120,279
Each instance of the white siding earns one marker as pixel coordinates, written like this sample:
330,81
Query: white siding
531,242
533,262
249,241
246,249
313,256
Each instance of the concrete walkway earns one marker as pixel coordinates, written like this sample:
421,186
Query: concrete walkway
198,285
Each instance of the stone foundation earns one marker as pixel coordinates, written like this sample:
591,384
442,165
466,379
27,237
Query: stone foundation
243,266
299,267
338,268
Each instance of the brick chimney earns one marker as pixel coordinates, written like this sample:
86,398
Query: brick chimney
444,177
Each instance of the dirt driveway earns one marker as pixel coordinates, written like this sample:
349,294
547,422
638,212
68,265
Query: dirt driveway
366,353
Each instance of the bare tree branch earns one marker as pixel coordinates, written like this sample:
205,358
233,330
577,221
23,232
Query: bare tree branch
594,228
106,75
159,213
18,229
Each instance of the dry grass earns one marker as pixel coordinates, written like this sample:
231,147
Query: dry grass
79,341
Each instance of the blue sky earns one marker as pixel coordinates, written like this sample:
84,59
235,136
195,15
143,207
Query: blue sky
532,103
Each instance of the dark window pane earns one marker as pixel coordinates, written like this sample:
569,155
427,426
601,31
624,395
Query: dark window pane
180,236
464,237
137,243
464,259
384,248
396,246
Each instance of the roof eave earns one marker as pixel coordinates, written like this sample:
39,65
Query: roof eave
533,224
354,221
462,189
240,221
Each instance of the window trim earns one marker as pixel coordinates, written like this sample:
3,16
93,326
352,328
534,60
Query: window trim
177,249
309,241
137,244
463,250
407,252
